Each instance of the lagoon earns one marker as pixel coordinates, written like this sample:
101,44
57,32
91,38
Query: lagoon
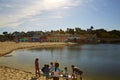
98,61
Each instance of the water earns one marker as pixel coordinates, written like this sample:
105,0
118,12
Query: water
98,62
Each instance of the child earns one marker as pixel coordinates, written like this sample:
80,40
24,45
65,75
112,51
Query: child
77,71
46,71
37,71
56,72
65,74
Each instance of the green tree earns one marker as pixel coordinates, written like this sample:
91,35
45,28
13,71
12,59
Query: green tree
114,34
77,30
70,31
61,31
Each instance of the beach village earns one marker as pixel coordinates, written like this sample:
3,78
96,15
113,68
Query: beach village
32,39
39,36
38,39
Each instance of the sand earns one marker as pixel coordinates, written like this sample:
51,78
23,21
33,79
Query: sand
7,73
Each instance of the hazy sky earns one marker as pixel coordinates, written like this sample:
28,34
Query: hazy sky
46,15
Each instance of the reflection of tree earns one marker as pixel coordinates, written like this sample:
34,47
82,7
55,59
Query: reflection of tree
73,51
74,48
48,48
56,49
52,53
61,53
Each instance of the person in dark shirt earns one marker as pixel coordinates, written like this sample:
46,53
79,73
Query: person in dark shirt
43,69
46,71
77,71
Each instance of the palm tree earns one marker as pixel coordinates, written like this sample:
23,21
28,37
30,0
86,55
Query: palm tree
91,28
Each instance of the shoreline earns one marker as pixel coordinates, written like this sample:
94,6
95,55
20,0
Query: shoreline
8,47
8,73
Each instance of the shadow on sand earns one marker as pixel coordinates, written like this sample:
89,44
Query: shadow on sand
33,78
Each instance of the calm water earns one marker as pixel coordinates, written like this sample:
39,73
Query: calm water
99,62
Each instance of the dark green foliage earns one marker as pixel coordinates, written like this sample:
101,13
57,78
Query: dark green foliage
70,31
101,34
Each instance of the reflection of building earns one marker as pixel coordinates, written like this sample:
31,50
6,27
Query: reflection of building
52,52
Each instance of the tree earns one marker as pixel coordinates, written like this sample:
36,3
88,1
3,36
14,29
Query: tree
91,27
61,31
114,34
77,30
6,37
5,33
101,33
70,31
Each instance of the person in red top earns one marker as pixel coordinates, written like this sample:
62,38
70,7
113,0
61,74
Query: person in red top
37,71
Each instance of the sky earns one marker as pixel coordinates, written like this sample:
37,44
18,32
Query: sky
47,15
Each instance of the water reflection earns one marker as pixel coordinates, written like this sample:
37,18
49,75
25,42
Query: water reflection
99,62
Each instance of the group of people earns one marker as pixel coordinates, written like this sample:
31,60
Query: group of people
54,71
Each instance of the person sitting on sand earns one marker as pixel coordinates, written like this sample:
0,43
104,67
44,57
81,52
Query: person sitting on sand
65,73
76,71
51,68
43,69
56,72
46,71
37,71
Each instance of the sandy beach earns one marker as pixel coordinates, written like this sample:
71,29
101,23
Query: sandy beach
7,73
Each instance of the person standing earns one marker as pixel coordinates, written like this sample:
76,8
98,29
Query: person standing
76,71
37,71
